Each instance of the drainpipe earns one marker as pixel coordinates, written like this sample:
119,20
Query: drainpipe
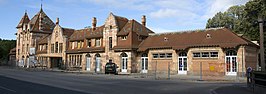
243,49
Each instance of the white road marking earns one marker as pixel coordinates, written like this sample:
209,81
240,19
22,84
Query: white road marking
7,89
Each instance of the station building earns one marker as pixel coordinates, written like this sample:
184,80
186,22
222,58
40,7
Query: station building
133,47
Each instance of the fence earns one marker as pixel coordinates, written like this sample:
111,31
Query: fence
256,80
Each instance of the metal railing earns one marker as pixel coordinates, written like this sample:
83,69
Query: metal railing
256,79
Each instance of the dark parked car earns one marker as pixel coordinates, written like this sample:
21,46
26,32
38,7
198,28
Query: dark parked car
111,68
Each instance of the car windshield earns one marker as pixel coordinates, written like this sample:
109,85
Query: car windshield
109,65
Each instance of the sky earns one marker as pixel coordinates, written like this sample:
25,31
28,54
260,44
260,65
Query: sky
162,15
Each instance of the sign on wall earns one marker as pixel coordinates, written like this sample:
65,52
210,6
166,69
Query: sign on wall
32,51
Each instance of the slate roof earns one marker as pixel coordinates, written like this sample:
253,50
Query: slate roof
218,37
134,26
24,19
41,17
121,21
12,51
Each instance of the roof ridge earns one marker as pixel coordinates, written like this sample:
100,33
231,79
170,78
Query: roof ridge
188,31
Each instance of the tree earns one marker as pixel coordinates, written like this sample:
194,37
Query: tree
6,46
241,19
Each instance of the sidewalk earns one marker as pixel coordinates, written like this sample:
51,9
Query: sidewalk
235,89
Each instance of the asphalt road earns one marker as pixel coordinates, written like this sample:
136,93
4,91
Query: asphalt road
41,82
13,86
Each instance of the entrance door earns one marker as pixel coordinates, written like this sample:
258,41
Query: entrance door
124,59
88,67
124,64
28,62
182,63
231,65
182,66
98,61
144,64
230,61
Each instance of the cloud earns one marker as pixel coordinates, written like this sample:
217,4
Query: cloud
160,30
221,6
118,4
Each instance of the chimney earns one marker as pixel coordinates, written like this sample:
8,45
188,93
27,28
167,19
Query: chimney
143,20
57,21
94,22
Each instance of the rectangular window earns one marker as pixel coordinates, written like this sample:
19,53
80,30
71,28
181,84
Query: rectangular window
52,48
79,43
98,42
23,48
110,43
124,37
73,45
82,43
27,49
168,55
214,54
60,47
56,47
40,46
46,46
88,43
162,55
155,55
205,54
196,54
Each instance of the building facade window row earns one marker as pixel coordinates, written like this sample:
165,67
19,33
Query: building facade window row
213,54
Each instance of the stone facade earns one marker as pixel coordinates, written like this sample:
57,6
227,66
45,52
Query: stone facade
134,48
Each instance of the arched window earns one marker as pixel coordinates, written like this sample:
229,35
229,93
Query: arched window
182,54
123,55
231,53
97,55
144,55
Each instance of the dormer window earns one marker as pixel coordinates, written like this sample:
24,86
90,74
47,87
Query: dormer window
88,43
208,36
165,39
124,37
98,42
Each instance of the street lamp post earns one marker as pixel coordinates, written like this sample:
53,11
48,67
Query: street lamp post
262,61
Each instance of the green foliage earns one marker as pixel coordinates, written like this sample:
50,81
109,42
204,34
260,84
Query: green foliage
241,19
5,47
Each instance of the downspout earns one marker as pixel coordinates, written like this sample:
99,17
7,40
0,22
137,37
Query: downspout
243,49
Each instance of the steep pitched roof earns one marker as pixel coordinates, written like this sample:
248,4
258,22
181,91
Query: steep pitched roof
98,33
44,40
12,51
24,19
41,19
134,26
121,21
220,37
78,35
68,31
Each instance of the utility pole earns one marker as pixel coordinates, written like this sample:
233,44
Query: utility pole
262,60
